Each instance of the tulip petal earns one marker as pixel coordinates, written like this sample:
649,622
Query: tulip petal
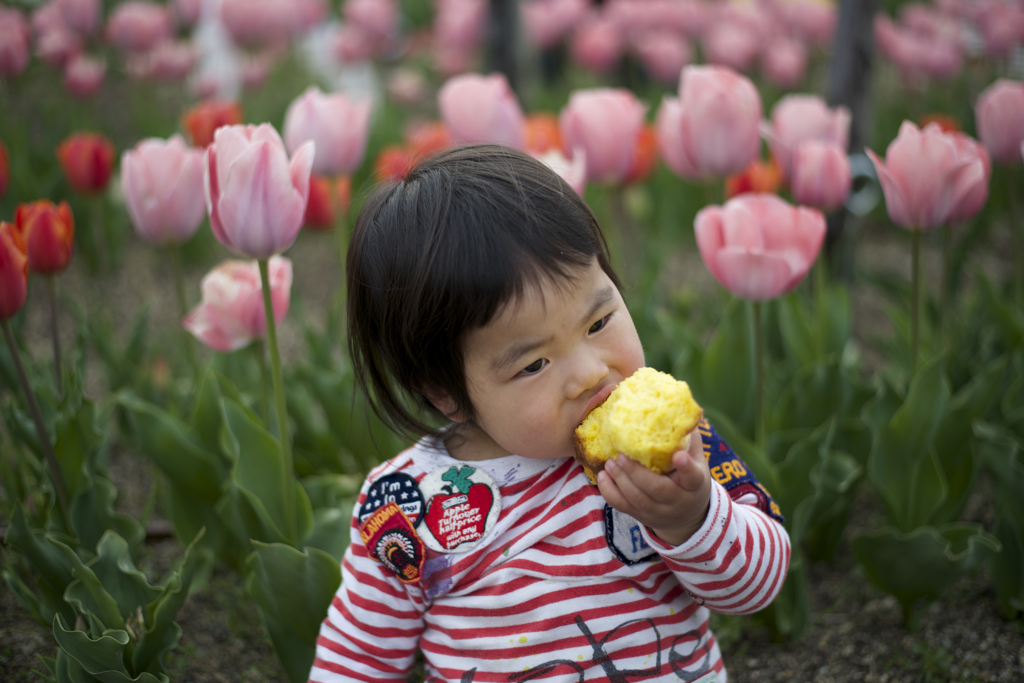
741,223
707,228
300,168
211,188
755,276
260,208
670,139
896,202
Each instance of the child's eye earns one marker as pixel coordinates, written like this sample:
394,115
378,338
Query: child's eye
534,367
599,325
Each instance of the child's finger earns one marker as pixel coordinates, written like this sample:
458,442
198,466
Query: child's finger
625,473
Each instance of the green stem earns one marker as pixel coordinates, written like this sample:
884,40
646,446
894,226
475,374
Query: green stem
947,273
44,439
179,283
98,241
759,405
260,350
1017,233
629,234
915,297
51,289
282,409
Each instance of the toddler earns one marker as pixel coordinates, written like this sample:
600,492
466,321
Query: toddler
485,319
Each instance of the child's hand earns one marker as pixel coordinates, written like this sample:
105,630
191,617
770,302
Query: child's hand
673,505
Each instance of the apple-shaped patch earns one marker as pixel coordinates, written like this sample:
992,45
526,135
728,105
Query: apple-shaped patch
463,505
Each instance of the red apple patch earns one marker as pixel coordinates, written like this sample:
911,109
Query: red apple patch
463,509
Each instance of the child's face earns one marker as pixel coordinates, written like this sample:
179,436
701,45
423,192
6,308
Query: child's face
546,361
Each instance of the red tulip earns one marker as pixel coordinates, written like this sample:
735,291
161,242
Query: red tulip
88,161
478,108
606,123
1000,120
646,155
760,176
757,246
320,207
428,138
137,25
541,133
393,163
821,175
712,129
947,123
15,44
49,233
13,271
925,176
203,120
231,314
255,195
5,169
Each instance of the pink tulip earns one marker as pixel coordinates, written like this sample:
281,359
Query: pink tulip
376,18
81,16
597,44
1000,118
231,314
664,54
478,108
572,171
187,12
15,39
338,127
784,62
547,21
84,75
170,60
138,25
974,199
606,124
260,22
56,42
732,45
814,20
407,86
796,118
163,189
712,129
1001,26
255,196
460,24
821,175
925,176
757,246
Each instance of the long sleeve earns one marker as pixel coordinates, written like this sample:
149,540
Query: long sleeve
374,622
736,562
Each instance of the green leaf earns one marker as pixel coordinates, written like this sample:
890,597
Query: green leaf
51,565
1007,566
331,531
332,490
920,564
168,443
86,592
901,465
727,370
92,514
797,335
295,654
117,573
817,393
953,438
295,587
206,417
77,441
83,659
260,475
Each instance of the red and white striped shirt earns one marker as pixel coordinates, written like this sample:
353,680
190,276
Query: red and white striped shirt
562,588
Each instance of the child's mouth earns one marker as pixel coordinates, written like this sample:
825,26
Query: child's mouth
597,399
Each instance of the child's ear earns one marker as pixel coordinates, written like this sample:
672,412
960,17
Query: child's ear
444,403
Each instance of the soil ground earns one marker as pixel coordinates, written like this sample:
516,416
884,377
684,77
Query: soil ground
855,632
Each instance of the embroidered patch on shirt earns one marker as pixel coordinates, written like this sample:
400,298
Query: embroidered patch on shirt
463,505
624,537
398,488
733,474
391,539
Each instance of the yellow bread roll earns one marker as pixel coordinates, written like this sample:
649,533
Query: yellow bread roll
648,417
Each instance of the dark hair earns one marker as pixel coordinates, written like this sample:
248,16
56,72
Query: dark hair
438,254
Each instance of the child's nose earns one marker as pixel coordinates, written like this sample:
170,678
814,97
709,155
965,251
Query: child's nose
588,370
